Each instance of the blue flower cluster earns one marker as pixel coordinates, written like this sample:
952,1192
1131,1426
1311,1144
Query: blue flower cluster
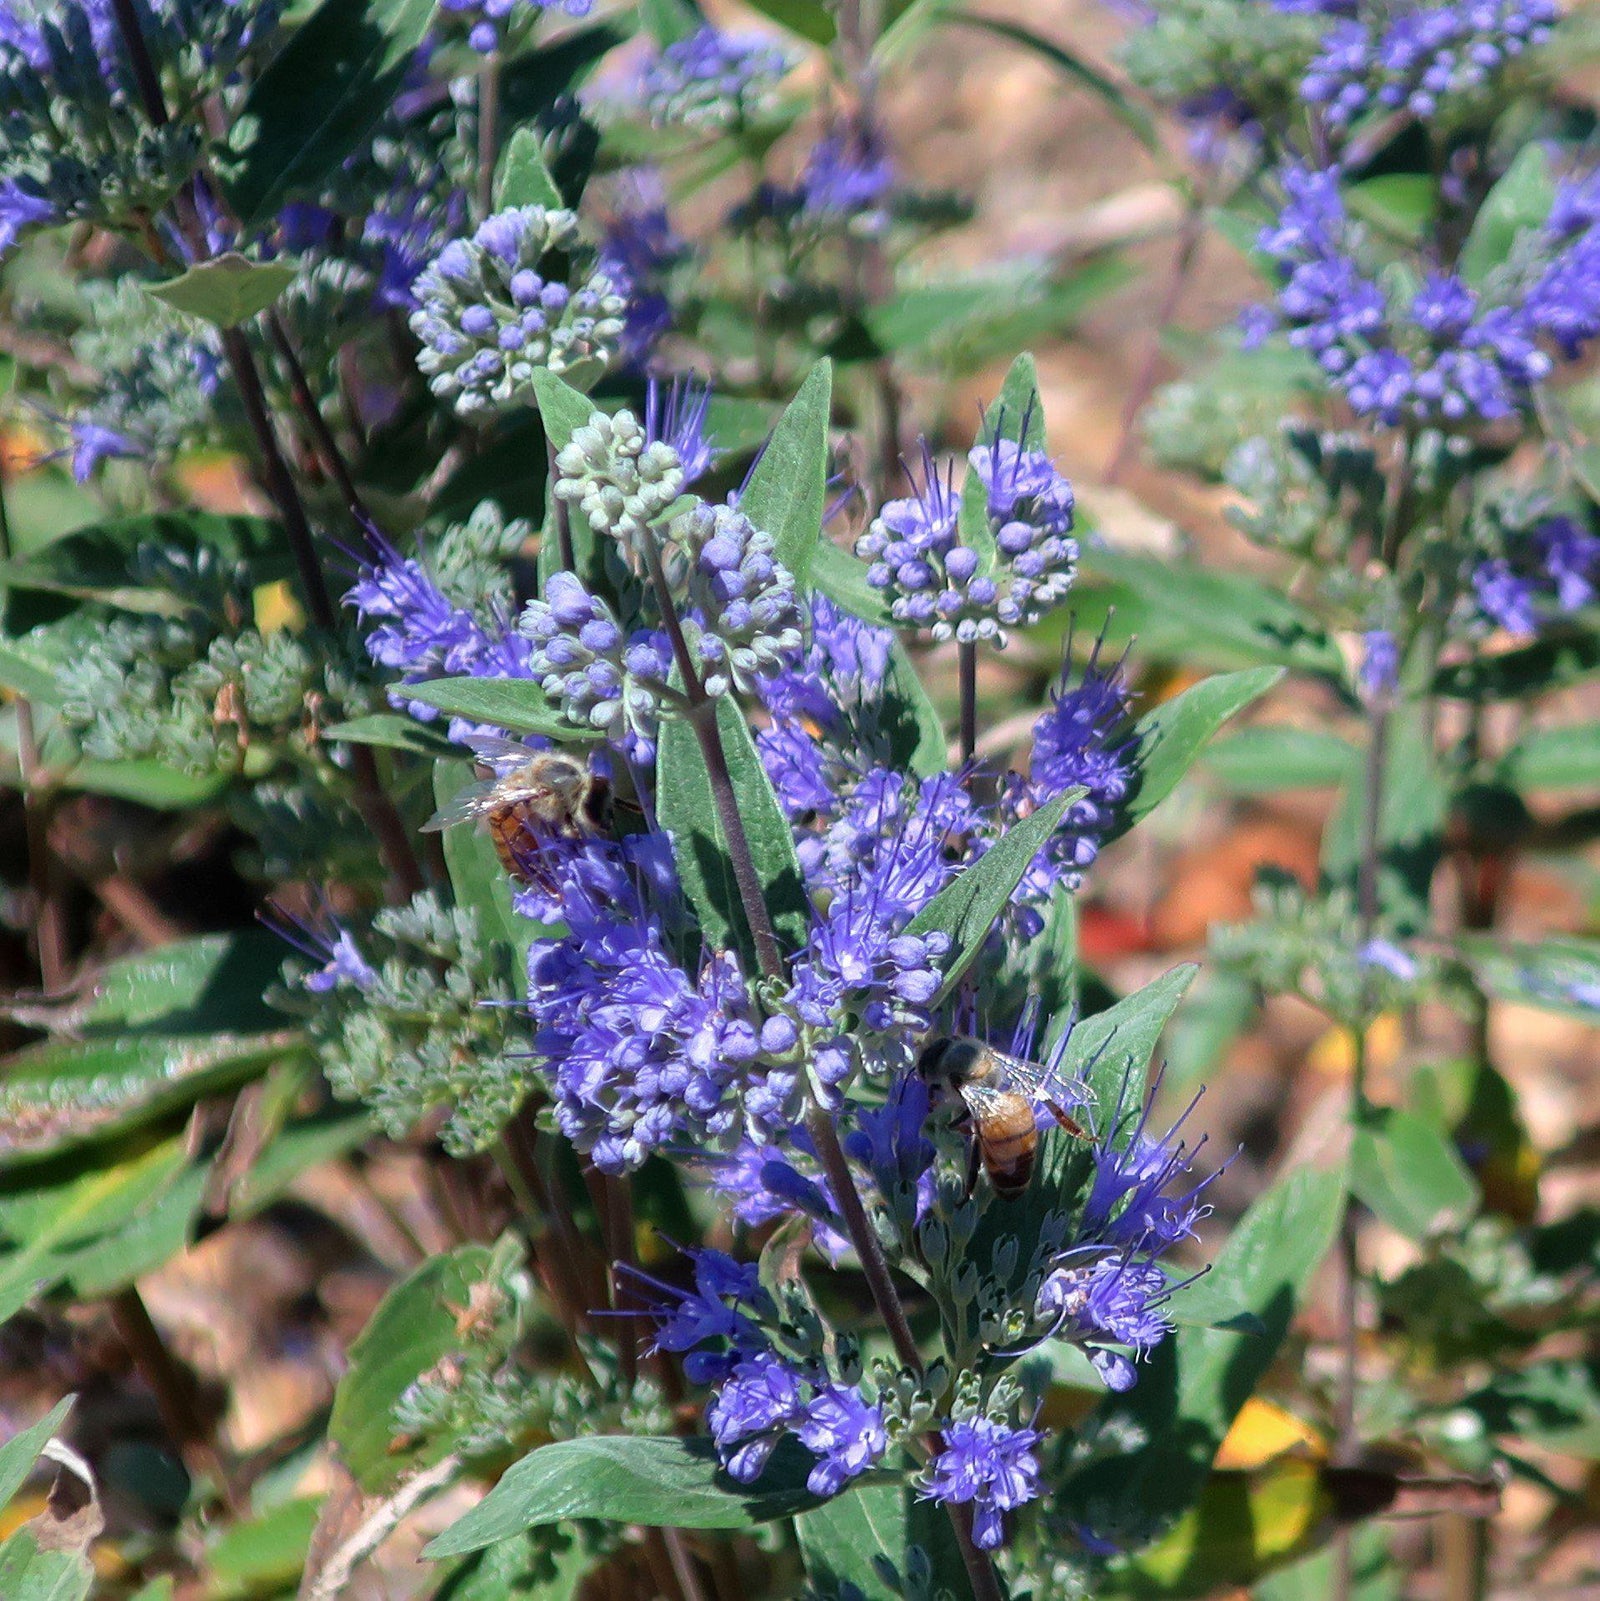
848,175
422,633
1105,1292
1552,570
598,676
488,21
641,1053
75,141
937,577
639,247
1080,739
488,317
1422,56
712,80
1449,354
720,1326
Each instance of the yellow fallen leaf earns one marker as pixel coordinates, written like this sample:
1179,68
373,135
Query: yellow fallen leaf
1333,1057
1261,1432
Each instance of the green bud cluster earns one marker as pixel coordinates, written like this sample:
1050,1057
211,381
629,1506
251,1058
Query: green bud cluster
619,479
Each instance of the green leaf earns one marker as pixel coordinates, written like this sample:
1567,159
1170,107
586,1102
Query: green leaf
146,782
1401,204
966,908
477,876
1025,306
95,562
21,1451
226,290
29,1574
917,742
1557,975
1408,1173
1524,672
687,810
191,986
522,178
1196,1381
263,1555
515,704
390,731
1206,1304
1276,756
45,1218
670,21
856,1546
843,579
413,1328
1168,739
922,314
1111,94
659,1481
318,99
564,410
513,1571
788,489
807,19
1567,757
1553,1404
1520,201
64,1091
1110,1051
1219,618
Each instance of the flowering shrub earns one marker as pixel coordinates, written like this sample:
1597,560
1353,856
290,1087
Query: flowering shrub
571,700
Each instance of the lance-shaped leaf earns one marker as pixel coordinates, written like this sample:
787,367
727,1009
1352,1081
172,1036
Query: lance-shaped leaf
515,704
413,1328
225,291
1168,739
1216,618
319,98
659,1481
1110,1052
861,1544
390,731
687,809
522,178
788,489
1556,975
1408,1172
843,579
21,1451
967,907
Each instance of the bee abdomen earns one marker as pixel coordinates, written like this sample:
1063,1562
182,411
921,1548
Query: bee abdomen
1010,1174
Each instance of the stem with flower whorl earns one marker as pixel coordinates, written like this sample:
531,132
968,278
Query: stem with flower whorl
701,712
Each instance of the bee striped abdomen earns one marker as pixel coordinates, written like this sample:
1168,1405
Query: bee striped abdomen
1009,1142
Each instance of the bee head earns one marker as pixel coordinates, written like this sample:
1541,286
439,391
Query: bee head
935,1058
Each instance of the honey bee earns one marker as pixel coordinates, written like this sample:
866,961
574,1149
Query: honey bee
532,794
1000,1093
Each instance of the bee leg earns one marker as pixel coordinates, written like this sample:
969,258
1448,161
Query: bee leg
974,1165
1071,1125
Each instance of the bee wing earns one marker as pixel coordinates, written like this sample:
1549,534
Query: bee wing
982,1099
473,801
1036,1081
494,750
